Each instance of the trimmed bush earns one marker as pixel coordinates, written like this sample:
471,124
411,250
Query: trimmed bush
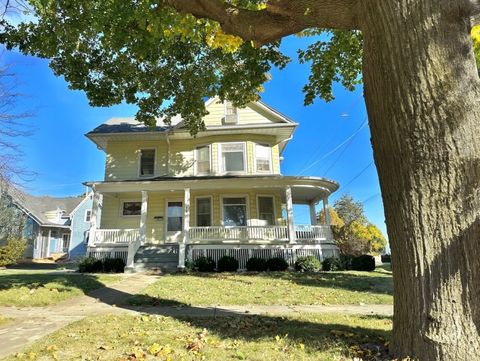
277,264
12,251
308,264
255,264
363,263
333,264
386,258
115,265
227,264
90,265
204,264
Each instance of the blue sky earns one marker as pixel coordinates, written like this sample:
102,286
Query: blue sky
64,158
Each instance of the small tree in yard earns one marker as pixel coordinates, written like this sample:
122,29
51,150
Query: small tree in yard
421,87
353,234
12,223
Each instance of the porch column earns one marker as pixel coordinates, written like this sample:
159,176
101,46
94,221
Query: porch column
291,225
186,226
143,218
313,214
326,210
97,198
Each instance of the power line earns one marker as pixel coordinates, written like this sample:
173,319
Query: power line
348,140
346,147
358,175
370,198
317,151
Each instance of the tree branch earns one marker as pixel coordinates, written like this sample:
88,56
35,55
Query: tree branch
279,19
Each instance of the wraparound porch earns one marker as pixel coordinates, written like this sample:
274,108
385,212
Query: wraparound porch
246,211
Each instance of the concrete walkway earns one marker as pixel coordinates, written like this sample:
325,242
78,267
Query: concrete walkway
32,323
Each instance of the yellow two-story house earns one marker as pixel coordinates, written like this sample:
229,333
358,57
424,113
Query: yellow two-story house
168,196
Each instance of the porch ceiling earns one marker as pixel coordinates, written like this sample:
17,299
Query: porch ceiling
304,189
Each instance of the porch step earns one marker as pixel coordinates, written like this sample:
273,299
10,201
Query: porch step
161,257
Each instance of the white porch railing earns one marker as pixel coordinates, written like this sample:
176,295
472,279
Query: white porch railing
313,233
245,233
115,236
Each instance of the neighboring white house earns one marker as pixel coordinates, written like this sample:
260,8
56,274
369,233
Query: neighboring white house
168,196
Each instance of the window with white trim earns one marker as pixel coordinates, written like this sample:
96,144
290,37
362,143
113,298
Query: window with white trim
130,208
204,212
147,162
263,158
88,215
235,211
232,157
266,209
203,159
65,242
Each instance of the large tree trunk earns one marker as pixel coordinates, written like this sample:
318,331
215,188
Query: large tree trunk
422,93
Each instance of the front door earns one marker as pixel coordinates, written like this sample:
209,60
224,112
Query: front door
174,221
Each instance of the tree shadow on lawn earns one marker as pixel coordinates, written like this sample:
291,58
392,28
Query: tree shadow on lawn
371,282
371,342
67,281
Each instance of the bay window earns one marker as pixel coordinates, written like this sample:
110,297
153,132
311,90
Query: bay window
263,158
232,157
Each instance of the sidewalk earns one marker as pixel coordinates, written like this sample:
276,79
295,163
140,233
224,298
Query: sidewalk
32,323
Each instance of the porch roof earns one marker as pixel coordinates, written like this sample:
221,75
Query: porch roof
304,189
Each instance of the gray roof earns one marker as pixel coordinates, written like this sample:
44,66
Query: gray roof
130,125
38,206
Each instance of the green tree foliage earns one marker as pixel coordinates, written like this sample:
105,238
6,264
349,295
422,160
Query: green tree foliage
355,235
12,219
167,63
12,251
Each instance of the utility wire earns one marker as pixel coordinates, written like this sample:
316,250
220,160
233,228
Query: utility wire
358,175
348,140
370,198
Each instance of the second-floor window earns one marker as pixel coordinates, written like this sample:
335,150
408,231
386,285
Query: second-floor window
263,158
203,160
88,215
147,162
233,157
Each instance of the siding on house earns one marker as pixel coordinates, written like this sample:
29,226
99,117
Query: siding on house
79,228
122,160
252,114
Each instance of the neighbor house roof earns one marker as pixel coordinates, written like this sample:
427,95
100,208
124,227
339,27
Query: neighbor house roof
38,206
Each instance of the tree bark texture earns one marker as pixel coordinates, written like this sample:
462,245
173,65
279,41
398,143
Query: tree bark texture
422,93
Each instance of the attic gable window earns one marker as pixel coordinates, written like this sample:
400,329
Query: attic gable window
231,114
147,162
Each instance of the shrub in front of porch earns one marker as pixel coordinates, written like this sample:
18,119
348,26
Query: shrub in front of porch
227,264
204,264
308,264
108,265
277,264
256,264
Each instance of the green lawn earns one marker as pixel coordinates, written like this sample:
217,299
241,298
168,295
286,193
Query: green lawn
22,288
306,337
278,288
